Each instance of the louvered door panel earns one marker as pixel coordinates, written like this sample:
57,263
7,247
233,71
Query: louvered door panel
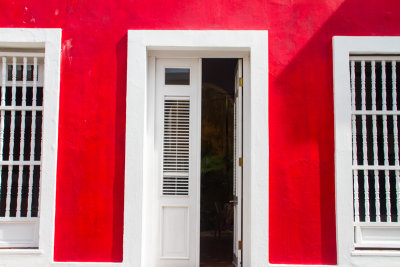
176,146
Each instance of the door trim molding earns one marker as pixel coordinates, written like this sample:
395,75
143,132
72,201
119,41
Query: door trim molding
143,46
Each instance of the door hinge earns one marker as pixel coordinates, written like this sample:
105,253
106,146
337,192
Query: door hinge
240,82
240,245
240,161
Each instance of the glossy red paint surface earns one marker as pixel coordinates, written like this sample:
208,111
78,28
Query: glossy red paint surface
90,177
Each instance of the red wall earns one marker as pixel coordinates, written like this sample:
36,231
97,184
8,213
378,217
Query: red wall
90,178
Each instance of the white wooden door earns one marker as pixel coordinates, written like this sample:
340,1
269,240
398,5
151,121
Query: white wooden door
178,137
237,168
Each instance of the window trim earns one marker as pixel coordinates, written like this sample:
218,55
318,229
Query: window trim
50,40
343,46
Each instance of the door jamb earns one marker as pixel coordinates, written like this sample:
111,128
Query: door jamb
152,59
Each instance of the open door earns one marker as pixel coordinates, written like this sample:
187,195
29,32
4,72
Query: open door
237,168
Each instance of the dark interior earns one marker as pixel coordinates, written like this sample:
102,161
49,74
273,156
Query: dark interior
216,222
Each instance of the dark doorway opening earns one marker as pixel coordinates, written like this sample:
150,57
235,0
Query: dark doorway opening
217,131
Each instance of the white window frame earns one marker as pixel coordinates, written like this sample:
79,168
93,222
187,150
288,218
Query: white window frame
343,47
138,136
50,40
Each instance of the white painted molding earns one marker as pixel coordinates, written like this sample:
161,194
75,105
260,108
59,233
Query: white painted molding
342,48
50,40
137,163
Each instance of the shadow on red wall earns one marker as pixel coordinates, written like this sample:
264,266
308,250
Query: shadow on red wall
118,188
302,182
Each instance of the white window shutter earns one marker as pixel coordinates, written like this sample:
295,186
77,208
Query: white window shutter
376,170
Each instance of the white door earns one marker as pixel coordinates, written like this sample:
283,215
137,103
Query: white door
178,137
237,168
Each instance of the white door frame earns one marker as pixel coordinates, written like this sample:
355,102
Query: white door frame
143,46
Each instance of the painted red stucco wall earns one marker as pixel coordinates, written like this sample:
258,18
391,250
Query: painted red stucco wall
90,176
